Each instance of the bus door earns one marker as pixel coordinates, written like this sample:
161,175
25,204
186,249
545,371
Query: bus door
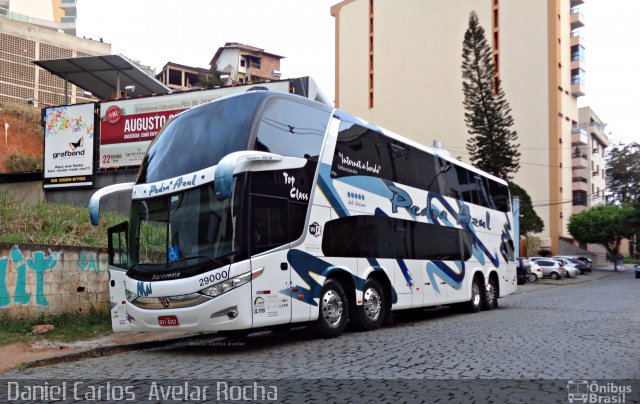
269,237
118,262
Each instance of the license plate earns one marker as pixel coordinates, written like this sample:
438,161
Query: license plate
168,321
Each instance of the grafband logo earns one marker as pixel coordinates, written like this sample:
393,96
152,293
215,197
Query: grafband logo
315,229
581,391
68,153
164,302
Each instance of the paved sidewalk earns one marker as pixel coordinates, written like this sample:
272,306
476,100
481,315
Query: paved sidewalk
45,352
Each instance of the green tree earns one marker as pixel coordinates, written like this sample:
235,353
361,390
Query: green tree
606,225
211,81
492,144
623,173
530,222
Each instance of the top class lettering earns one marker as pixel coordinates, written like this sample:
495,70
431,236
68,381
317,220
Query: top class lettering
401,199
346,161
294,193
179,183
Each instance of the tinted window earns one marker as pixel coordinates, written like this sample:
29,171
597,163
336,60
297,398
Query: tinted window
499,196
402,163
381,237
358,153
200,138
292,129
269,224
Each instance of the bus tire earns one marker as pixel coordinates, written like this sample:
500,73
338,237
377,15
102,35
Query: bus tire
334,310
490,296
371,314
475,304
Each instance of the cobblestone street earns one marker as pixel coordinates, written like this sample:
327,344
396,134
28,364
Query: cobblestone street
586,331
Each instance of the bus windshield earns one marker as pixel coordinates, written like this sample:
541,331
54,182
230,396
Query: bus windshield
184,230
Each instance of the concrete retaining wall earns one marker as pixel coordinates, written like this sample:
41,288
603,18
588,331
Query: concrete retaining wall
37,279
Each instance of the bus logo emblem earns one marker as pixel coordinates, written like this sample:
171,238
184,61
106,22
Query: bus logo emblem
315,229
164,302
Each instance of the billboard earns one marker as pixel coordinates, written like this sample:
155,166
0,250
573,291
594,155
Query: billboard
68,146
127,127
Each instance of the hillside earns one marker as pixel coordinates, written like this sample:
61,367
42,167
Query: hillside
24,134
52,224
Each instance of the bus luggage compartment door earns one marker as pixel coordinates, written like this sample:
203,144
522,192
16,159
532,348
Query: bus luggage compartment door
271,299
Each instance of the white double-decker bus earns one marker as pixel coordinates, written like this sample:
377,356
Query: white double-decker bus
266,209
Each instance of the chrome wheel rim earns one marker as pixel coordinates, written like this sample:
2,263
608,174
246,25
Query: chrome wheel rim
476,294
372,304
332,308
491,293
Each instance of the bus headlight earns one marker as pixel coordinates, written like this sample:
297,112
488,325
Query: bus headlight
230,284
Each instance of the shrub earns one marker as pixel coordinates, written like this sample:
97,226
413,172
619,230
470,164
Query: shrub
19,163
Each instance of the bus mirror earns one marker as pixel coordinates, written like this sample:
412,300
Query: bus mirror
94,203
238,162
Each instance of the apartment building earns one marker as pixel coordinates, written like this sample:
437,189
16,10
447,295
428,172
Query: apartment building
182,77
246,64
398,64
59,15
20,79
589,142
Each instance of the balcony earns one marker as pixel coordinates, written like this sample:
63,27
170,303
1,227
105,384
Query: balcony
577,61
577,39
577,86
577,19
579,160
579,184
579,137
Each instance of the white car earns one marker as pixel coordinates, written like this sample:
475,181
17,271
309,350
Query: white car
550,267
572,272
535,272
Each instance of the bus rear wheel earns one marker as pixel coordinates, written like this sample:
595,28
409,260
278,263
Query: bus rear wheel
334,310
490,300
475,304
370,315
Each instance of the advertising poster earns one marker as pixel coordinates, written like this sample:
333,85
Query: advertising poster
127,127
68,146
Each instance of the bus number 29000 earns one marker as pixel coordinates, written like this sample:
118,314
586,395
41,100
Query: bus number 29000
218,276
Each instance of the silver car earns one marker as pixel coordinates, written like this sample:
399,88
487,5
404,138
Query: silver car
550,267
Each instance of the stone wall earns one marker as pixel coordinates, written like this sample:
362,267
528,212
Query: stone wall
48,279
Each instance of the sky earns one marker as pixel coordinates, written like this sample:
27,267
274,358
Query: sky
189,32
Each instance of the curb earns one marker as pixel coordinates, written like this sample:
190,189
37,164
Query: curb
104,351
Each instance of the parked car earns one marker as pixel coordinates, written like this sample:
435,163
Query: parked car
550,267
571,271
522,270
637,270
535,272
571,261
586,261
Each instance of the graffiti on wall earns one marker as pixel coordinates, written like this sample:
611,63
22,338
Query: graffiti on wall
89,261
29,274
38,264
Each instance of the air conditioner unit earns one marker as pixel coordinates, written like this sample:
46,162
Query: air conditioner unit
595,173
277,73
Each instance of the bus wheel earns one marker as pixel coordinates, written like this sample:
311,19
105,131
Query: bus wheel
490,300
371,314
475,304
334,309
